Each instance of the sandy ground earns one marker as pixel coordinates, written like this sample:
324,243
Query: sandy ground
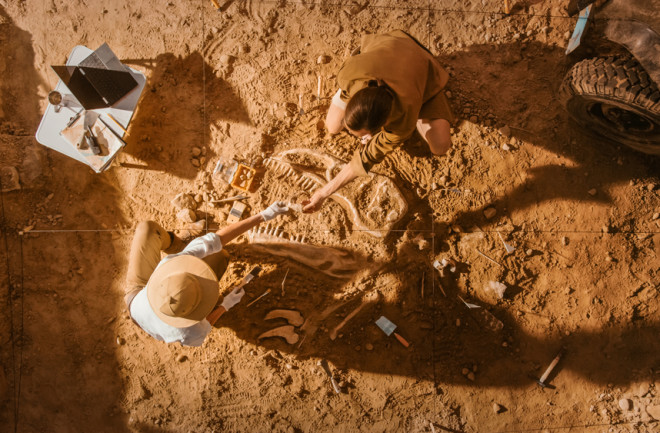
582,216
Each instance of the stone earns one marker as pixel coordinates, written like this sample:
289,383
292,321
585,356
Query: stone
226,59
655,216
186,215
184,201
506,147
592,192
9,178
625,404
564,240
195,162
181,358
496,287
497,408
120,341
474,119
196,151
654,411
490,212
322,60
529,251
369,346
505,131
465,371
470,376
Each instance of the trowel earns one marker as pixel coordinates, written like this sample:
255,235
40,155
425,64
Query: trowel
388,328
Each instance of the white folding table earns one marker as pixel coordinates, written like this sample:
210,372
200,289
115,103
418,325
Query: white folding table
48,133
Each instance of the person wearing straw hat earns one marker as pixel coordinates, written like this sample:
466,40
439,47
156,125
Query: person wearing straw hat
390,88
175,299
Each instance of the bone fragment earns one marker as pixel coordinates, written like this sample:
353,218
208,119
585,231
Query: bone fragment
293,317
287,332
333,333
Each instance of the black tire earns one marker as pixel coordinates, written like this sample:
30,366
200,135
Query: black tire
614,98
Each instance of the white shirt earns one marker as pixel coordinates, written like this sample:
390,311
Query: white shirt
145,316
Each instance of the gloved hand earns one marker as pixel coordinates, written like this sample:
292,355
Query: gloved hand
275,209
232,298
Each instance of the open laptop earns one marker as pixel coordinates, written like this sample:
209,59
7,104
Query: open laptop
99,81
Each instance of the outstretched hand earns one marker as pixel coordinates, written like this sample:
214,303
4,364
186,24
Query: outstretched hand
313,204
275,209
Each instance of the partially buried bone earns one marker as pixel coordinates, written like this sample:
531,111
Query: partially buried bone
293,317
385,203
285,332
331,261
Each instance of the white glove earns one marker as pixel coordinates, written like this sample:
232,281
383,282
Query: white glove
232,298
275,209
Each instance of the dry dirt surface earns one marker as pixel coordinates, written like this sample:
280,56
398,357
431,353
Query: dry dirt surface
581,216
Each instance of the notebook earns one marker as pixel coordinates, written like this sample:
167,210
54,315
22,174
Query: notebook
99,81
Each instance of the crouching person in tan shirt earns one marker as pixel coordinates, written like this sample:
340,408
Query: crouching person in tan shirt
175,299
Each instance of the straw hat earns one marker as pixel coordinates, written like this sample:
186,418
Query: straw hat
183,291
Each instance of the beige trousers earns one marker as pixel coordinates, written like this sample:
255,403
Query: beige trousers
149,240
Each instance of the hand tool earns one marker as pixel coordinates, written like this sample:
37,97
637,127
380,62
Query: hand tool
75,117
388,328
110,116
234,198
553,364
285,275
486,257
509,249
323,363
91,141
249,277
259,297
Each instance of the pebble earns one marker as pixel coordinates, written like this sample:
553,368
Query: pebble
186,215
369,346
651,186
592,192
358,348
199,198
470,376
506,147
184,201
625,404
458,322
497,408
443,179
322,60
529,251
465,371
564,240
490,212
605,229
196,151
195,162
655,216
121,341
474,119
654,411
505,131
225,59
182,358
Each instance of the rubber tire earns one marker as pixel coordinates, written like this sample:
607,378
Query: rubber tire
614,98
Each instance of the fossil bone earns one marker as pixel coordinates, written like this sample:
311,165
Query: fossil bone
292,316
382,195
287,332
331,261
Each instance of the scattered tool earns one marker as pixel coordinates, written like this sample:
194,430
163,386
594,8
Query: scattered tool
215,4
488,258
553,364
259,297
422,286
323,363
254,273
507,7
236,212
110,116
388,328
509,249
233,198
467,304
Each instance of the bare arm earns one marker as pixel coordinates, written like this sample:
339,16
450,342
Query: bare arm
346,175
233,231
334,121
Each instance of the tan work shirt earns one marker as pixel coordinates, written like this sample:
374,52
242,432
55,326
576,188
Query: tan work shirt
414,75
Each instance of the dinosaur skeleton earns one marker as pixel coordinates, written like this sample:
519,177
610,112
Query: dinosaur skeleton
378,192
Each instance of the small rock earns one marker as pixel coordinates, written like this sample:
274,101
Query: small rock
654,411
195,162
470,376
199,198
651,186
505,131
496,287
322,60
184,201
605,229
506,147
120,341
369,346
226,59
196,151
186,215
458,322
465,371
448,94
490,212
358,348
564,240
474,119
181,358
625,404
529,251
9,179
497,408
655,216
443,179
592,192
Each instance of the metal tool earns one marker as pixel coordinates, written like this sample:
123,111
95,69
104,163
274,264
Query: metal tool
234,198
283,280
509,249
388,328
488,258
323,363
91,141
254,273
259,297
541,381
75,117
